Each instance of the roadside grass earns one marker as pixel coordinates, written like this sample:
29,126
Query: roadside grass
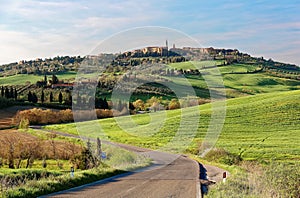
262,127
52,184
37,181
274,180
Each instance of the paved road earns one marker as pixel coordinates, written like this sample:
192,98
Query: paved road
171,176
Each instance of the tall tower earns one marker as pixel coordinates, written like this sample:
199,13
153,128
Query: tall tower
167,47
167,44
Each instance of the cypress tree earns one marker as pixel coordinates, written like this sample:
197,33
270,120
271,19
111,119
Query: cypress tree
51,97
29,96
7,94
105,104
2,92
34,98
42,97
60,98
11,93
16,95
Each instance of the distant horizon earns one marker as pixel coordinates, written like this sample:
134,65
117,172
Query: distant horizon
82,55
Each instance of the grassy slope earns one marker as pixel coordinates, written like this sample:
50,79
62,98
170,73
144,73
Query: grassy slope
21,79
264,127
238,84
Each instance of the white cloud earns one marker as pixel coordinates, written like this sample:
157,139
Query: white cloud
17,46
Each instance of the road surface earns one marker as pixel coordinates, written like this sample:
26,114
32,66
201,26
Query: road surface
170,176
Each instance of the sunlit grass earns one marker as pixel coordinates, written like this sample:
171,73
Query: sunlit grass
260,127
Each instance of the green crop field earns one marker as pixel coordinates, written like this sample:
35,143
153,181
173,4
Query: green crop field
196,64
22,79
236,79
261,127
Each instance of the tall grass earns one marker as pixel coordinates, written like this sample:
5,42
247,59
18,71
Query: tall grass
277,180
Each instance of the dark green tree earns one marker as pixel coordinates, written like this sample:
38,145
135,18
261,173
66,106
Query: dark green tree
2,91
54,79
29,96
43,96
105,104
16,95
45,80
34,98
131,106
60,97
68,99
51,97
11,93
7,94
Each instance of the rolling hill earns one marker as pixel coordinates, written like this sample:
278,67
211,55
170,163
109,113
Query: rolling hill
260,127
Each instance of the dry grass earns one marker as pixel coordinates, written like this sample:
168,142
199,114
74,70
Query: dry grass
23,143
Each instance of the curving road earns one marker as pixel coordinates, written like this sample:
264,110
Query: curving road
169,176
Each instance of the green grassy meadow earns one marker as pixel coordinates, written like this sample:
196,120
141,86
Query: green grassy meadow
261,127
237,79
22,79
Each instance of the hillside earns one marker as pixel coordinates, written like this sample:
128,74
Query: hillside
239,79
260,127
242,74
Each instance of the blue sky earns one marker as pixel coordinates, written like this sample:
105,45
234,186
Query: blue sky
35,28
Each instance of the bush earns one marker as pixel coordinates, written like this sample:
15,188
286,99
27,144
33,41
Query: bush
24,123
40,116
223,156
4,102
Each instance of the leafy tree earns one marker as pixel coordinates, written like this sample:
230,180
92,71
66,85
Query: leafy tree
60,97
174,104
139,105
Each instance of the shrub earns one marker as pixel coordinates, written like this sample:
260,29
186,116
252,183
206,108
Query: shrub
39,116
222,156
24,123
4,102
174,104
